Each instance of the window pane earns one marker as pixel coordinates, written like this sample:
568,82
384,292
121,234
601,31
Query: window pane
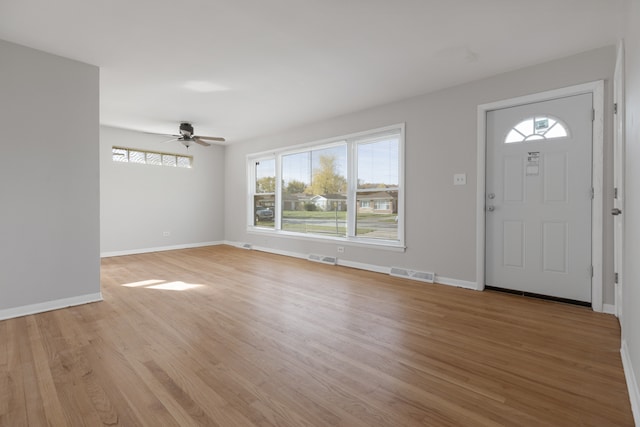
264,210
378,164
525,127
377,215
266,176
184,162
119,155
542,124
136,156
556,131
314,196
296,172
154,159
168,160
514,136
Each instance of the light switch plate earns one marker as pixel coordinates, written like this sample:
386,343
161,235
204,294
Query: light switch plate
459,179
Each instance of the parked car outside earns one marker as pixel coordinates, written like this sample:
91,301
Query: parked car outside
263,214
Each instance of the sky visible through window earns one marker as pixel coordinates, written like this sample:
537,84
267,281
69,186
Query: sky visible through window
265,168
377,163
300,166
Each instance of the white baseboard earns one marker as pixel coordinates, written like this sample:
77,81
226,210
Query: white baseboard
609,309
358,265
159,249
632,383
364,266
26,310
456,282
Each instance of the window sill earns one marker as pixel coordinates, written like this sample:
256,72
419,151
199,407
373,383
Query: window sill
343,241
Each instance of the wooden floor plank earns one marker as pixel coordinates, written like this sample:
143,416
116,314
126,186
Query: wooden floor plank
223,336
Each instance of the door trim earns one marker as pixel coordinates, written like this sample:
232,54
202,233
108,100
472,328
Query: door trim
597,217
618,177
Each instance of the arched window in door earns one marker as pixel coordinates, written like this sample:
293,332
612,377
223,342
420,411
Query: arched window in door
537,128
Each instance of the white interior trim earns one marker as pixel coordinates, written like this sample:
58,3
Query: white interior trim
26,310
619,174
364,266
609,309
597,219
158,249
632,382
358,265
340,241
456,282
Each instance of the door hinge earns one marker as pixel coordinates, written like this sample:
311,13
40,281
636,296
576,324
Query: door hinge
615,108
592,271
593,193
615,193
593,114
616,279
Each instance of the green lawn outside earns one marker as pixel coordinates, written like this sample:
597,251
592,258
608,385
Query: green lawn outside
342,215
329,226
315,215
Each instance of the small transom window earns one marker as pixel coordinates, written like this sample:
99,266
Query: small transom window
130,155
536,129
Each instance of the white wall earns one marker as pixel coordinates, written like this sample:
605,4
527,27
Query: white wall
631,275
140,202
49,212
440,141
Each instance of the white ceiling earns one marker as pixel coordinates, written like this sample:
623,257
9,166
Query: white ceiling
275,64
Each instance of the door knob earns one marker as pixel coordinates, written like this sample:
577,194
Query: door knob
616,211
491,208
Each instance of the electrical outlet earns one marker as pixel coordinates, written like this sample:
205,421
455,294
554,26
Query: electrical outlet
166,233
340,249
459,179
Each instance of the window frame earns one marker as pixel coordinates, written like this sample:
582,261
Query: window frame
252,193
146,153
352,141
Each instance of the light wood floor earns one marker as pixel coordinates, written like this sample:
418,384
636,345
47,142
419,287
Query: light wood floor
260,339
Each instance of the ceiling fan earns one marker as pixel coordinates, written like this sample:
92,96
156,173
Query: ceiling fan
187,137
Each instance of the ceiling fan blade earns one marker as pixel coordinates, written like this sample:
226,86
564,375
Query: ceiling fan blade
199,140
162,134
170,140
211,138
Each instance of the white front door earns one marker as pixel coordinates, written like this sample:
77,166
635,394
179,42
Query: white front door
538,198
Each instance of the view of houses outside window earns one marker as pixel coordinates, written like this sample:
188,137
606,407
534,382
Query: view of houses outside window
349,188
314,193
378,186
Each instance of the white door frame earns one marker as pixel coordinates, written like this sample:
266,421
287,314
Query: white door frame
597,219
618,176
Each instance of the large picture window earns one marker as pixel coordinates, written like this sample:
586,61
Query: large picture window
347,188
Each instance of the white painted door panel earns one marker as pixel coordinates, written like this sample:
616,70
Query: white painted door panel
538,219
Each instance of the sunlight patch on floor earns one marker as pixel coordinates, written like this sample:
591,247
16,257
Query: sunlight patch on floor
143,283
175,286
162,285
